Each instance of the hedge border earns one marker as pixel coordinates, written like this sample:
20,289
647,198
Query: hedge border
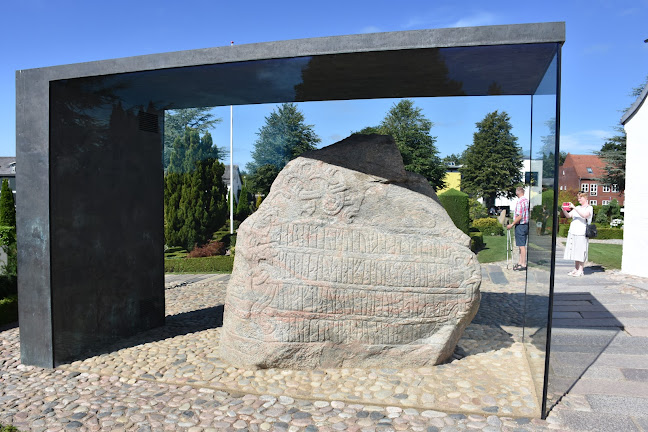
213,264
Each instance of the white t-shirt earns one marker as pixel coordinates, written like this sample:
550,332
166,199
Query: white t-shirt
579,223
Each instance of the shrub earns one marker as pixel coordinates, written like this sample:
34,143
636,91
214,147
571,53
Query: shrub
476,241
609,233
456,204
616,223
214,264
9,309
476,210
210,249
8,285
563,230
489,226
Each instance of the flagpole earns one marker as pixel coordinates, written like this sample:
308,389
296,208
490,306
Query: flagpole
231,166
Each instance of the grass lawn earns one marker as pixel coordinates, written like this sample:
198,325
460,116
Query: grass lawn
607,255
494,250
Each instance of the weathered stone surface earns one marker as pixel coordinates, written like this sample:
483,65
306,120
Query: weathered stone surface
350,261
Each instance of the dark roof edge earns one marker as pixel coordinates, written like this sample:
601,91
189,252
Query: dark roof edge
552,32
635,106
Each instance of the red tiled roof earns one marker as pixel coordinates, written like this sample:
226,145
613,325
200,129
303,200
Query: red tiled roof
580,163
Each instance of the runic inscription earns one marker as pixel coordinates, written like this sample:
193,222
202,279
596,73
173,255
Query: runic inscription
349,262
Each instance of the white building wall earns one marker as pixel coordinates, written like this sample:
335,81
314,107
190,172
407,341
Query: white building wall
533,193
635,236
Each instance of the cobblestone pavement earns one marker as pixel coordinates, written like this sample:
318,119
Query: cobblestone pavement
172,379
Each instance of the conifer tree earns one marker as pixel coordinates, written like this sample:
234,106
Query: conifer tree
7,206
195,203
492,164
243,209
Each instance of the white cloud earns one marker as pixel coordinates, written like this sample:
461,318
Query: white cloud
478,19
370,29
584,142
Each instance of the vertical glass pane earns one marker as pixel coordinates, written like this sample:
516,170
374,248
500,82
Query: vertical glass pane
542,219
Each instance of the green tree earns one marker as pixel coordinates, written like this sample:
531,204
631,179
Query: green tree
284,136
8,228
7,206
176,121
195,202
455,158
411,132
493,163
243,209
613,151
548,151
613,155
262,179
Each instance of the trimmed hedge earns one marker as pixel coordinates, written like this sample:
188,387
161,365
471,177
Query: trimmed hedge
476,241
456,204
603,233
609,233
213,264
488,226
9,310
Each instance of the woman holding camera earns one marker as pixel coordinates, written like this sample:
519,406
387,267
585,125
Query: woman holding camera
577,242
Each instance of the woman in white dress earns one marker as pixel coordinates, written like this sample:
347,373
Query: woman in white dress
577,242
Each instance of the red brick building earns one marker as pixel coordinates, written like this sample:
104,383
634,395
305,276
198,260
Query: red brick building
580,172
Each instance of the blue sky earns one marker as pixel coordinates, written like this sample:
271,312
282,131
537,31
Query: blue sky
603,59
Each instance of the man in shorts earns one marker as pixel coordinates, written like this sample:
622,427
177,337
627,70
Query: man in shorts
521,223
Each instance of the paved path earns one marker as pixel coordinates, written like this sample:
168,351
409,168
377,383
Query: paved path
599,378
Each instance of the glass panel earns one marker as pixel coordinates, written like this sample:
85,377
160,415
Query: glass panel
543,219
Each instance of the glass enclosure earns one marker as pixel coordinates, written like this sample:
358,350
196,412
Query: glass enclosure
92,119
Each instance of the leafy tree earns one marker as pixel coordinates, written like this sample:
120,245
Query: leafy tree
195,203
493,162
613,155
283,137
411,132
176,121
7,206
454,157
613,151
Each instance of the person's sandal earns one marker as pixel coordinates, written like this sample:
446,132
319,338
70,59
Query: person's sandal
518,267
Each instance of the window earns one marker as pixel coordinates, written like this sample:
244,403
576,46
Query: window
531,178
615,188
593,202
589,170
605,202
563,172
585,187
606,188
593,189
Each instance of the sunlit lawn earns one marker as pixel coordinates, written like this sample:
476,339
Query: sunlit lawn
606,255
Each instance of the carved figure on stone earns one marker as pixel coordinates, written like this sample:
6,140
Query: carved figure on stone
349,262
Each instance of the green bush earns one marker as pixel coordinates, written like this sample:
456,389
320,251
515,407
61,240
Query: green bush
476,241
8,285
488,226
213,264
563,230
476,210
609,233
8,310
456,204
